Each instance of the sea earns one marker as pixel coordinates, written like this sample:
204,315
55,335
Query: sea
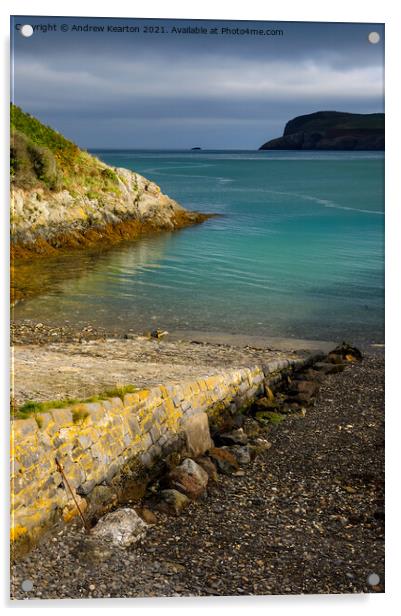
297,250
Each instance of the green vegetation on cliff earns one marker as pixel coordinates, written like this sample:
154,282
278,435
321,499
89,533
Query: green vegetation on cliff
40,157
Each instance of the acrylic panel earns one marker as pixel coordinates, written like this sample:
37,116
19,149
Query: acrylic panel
197,288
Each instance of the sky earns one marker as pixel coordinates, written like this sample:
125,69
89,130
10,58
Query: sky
177,90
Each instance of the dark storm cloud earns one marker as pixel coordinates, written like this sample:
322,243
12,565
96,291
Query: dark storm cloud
141,90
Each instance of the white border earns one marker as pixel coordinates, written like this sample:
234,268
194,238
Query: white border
284,10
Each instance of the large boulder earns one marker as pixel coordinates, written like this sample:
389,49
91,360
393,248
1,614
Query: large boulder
122,528
189,478
197,435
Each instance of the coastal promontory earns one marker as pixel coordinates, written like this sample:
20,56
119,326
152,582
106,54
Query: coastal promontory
62,197
331,130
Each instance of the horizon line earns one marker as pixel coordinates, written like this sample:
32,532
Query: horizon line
176,149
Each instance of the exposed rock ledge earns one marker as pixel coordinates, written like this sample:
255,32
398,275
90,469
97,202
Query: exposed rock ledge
44,221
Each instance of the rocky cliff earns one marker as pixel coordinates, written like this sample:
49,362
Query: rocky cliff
62,197
331,130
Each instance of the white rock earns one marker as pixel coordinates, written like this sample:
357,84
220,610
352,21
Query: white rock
122,527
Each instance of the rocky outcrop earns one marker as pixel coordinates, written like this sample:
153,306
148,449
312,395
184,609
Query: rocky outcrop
63,197
44,221
331,130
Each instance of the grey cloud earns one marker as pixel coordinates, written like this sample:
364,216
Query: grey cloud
238,92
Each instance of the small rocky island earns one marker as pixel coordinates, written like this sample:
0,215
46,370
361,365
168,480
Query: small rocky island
62,197
331,130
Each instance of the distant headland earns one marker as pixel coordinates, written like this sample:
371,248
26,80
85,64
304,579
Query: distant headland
331,130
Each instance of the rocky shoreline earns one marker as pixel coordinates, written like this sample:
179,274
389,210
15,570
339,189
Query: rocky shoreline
105,235
305,515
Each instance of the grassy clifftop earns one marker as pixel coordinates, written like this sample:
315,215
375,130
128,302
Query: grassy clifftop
42,157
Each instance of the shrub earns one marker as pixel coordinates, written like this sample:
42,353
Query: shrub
109,174
31,164
41,156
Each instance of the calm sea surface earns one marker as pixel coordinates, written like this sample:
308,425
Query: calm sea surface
298,250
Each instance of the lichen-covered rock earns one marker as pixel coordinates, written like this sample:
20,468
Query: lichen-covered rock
226,462
209,466
236,437
122,527
189,478
147,515
241,453
260,445
251,427
265,403
42,215
172,501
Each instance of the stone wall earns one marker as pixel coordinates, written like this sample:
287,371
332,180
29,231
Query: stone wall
106,447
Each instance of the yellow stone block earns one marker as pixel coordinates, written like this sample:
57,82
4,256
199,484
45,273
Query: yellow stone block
143,394
202,385
70,511
195,388
131,399
17,532
169,406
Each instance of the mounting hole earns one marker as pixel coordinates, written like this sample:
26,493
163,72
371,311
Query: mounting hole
374,38
26,30
27,585
373,579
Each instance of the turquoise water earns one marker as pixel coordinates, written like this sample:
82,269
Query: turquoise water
298,250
